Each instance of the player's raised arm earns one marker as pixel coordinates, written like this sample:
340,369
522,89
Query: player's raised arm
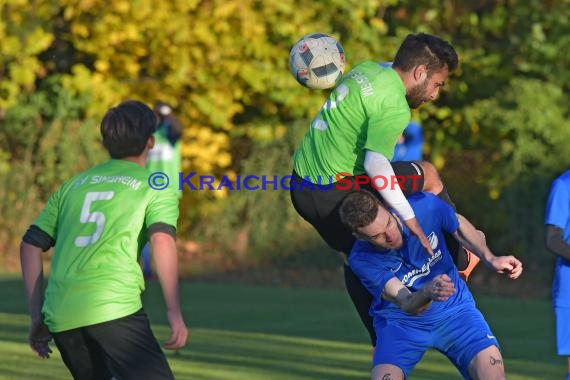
439,289
378,166
474,240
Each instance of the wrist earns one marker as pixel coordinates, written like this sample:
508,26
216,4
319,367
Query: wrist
489,260
425,292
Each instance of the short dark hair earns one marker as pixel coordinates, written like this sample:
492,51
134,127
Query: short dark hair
359,209
425,49
126,128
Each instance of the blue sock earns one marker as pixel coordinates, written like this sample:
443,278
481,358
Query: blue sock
568,375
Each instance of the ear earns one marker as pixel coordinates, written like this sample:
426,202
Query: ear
420,73
150,142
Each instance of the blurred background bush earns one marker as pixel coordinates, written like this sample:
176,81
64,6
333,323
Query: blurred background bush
499,133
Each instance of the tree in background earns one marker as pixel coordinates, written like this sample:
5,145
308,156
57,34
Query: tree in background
224,65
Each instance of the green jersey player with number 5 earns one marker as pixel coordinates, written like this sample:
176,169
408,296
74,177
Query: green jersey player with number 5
98,222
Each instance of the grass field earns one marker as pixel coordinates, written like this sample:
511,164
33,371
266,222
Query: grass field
261,333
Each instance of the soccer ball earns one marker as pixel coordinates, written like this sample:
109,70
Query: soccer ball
317,61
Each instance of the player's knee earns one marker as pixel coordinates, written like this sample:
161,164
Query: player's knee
387,371
488,365
432,180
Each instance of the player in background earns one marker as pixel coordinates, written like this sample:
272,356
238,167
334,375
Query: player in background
557,221
410,144
420,302
97,223
164,157
355,133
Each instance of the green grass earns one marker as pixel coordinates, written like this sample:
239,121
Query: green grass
259,333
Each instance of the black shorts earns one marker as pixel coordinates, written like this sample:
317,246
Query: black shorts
319,205
124,348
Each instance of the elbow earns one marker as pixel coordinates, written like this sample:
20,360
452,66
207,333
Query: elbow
552,247
413,311
553,239
161,238
548,246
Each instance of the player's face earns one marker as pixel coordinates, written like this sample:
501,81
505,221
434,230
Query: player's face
427,90
383,232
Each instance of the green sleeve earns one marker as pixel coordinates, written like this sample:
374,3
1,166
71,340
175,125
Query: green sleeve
47,220
163,208
385,130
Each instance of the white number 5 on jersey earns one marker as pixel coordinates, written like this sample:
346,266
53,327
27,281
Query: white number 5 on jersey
88,216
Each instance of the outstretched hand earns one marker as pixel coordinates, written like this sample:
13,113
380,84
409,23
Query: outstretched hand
507,265
417,230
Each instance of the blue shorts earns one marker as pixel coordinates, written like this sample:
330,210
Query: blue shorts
562,330
460,337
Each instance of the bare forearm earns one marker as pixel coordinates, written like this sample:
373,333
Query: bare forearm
415,303
473,240
555,242
166,260
32,273
412,303
440,288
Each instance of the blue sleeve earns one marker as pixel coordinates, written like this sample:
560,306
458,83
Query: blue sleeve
449,222
435,211
371,272
557,205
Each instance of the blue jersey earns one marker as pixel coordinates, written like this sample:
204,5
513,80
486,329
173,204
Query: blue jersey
412,147
412,265
558,214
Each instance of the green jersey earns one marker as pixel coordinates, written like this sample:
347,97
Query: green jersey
98,220
166,158
368,110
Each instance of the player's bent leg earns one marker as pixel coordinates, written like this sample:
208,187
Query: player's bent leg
562,317
132,351
410,177
362,299
471,261
387,372
432,180
467,260
320,207
487,365
84,358
434,184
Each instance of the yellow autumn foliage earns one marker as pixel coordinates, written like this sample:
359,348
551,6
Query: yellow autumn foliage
223,64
